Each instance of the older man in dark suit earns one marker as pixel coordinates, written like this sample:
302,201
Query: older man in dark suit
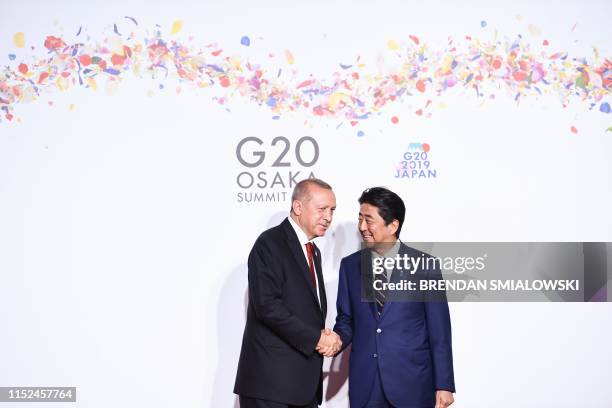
284,339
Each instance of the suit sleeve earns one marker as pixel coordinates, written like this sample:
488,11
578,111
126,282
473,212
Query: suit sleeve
439,331
266,292
344,316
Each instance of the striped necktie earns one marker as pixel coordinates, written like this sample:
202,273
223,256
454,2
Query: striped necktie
379,295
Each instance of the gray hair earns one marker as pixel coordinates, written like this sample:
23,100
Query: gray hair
301,189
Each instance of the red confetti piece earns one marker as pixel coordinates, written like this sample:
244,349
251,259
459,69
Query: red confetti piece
85,60
395,120
117,59
23,68
519,75
225,82
305,83
420,85
419,112
415,39
42,77
545,43
216,53
574,130
53,43
426,147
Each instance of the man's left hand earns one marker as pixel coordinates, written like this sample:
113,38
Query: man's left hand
444,398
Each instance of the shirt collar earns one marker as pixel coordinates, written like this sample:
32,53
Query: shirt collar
390,253
299,232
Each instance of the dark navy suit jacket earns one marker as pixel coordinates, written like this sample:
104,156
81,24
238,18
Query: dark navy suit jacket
410,343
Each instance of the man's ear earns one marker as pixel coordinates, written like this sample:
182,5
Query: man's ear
393,225
297,207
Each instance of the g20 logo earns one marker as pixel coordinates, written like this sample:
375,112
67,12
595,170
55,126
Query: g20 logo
270,166
260,155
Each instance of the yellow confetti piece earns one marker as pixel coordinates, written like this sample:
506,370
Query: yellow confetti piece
533,30
392,45
71,107
92,83
176,27
289,57
336,98
19,40
62,83
116,44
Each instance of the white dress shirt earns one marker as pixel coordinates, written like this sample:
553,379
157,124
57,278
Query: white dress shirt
303,241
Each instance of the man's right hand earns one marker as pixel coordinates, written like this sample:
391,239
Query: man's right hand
329,343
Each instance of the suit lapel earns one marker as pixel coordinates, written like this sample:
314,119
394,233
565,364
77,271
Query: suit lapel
396,277
367,280
298,255
319,272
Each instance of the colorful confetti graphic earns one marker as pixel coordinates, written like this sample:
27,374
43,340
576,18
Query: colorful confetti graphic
356,91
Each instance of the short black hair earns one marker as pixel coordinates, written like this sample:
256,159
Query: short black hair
390,206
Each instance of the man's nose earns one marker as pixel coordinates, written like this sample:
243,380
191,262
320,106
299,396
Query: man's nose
327,216
361,225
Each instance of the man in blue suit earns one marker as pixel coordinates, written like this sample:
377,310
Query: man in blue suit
401,352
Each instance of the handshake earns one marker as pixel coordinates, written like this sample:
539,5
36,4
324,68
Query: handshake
329,343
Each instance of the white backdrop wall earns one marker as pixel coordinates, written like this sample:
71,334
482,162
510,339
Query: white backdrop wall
123,244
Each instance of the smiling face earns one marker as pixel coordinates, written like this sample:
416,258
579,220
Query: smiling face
314,212
372,226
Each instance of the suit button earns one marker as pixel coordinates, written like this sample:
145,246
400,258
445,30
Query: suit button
374,355
379,331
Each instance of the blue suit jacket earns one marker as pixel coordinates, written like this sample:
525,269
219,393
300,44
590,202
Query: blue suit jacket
410,343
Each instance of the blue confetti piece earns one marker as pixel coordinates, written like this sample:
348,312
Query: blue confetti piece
345,66
116,30
275,117
161,86
112,71
280,70
469,78
79,32
132,19
454,64
12,57
271,102
483,24
246,41
215,67
360,133
604,107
